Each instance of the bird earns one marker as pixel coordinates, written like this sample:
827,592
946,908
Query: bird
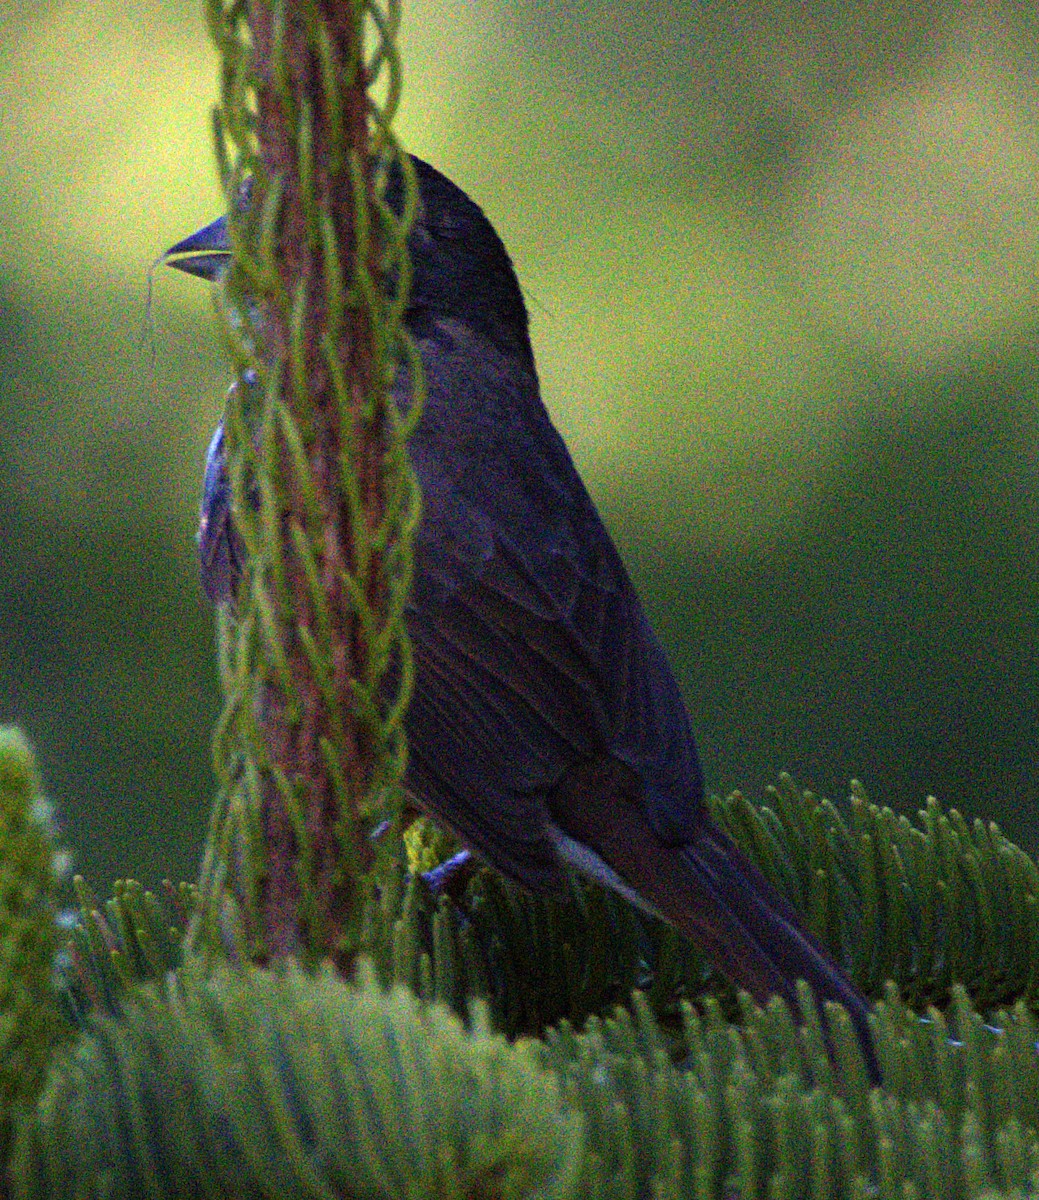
546,728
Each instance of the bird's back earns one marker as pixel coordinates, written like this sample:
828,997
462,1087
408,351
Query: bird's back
532,650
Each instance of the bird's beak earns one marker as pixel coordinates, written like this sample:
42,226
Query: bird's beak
205,253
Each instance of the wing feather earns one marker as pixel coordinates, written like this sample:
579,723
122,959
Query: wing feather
531,647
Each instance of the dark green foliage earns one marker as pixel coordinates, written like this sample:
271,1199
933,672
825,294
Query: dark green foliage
133,940
534,961
30,1015
927,905
282,1083
260,1083
250,1083
254,1083
740,1114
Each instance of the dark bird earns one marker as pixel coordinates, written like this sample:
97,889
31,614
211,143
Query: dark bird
546,726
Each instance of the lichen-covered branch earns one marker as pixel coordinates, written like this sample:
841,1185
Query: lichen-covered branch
311,747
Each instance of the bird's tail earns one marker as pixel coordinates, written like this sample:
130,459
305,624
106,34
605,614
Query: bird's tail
752,935
703,885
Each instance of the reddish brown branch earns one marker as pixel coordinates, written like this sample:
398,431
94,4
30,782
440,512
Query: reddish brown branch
329,894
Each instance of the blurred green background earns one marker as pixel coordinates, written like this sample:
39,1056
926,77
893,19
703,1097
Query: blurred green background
781,261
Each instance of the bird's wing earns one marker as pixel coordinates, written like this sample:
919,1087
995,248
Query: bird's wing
531,647
507,694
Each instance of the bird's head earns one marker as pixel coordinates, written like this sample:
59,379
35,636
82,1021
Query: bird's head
460,267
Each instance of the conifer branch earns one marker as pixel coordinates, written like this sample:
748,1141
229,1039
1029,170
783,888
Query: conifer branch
311,746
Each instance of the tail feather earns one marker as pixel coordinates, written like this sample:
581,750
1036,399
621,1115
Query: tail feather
707,889
755,938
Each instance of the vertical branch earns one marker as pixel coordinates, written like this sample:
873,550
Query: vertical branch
324,499
300,810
